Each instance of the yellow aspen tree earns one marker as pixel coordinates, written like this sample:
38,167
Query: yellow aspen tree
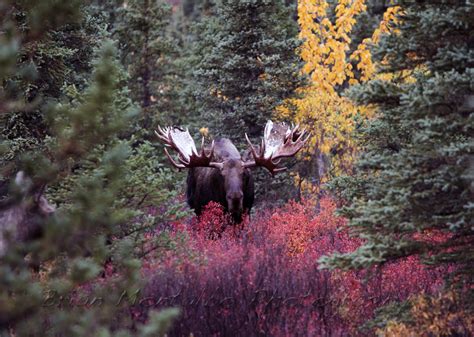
329,65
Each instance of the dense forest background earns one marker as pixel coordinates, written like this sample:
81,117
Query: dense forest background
369,232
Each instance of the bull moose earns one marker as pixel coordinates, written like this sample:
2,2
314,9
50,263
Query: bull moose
220,174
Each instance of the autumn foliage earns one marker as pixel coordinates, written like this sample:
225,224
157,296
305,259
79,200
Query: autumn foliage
332,65
263,279
440,315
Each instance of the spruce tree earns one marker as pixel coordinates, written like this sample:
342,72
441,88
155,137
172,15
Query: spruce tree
83,154
248,65
412,191
150,56
188,28
55,52
148,52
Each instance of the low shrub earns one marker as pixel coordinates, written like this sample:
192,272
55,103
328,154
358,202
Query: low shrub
263,279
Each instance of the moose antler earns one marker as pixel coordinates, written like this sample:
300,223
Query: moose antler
278,141
182,142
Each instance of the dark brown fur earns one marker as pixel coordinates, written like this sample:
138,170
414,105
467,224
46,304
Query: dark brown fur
232,187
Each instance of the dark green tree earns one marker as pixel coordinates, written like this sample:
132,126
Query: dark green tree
51,53
148,53
414,177
193,9
248,65
86,163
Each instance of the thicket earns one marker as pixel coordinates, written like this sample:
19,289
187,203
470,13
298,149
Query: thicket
67,120
263,280
413,180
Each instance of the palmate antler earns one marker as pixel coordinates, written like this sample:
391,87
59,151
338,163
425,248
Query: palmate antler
182,142
279,141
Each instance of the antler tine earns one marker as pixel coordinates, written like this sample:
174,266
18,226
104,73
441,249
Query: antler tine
157,134
164,131
294,131
307,138
279,143
280,169
183,161
161,133
259,158
291,147
164,135
202,147
211,152
252,149
175,164
188,155
267,128
301,136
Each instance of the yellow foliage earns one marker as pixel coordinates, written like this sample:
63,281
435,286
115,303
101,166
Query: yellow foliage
433,316
204,132
325,50
362,54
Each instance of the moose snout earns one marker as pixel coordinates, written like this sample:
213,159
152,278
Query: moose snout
234,201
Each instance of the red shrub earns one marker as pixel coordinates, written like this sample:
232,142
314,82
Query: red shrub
265,280
212,221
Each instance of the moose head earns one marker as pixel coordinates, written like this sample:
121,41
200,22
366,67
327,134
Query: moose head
218,173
